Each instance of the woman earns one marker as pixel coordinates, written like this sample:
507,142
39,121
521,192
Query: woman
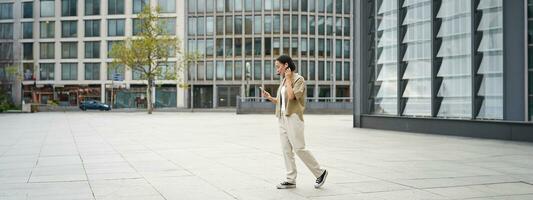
290,105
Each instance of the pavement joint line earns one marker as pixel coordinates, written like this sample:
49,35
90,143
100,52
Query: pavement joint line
39,155
79,155
496,196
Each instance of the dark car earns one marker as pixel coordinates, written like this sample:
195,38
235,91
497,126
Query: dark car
94,105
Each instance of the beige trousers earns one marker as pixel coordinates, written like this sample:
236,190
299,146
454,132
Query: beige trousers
292,141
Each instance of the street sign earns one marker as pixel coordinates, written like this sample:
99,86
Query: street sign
117,77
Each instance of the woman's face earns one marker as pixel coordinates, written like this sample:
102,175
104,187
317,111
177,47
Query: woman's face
280,68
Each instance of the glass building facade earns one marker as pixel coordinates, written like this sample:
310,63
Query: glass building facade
437,58
460,67
239,41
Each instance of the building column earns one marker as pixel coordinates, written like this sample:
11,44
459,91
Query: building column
514,60
102,92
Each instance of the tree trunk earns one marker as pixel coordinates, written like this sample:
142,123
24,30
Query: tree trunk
149,96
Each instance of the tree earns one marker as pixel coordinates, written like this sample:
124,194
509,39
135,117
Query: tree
148,52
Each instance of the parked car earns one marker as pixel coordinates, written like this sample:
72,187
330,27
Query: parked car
94,105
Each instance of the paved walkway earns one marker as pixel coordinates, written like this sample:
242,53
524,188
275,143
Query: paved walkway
204,156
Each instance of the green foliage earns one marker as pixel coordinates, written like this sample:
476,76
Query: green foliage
5,102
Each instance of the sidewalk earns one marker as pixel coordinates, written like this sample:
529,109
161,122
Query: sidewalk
135,156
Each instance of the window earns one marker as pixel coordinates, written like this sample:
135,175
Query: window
248,5
229,70
115,7
294,5
311,47
385,99
268,24
92,49
329,26
329,6
346,26
201,47
346,71
8,51
220,47
257,5
92,7
267,70
210,6
303,69
338,26
191,26
238,5
209,68
27,10
46,50
491,67
69,7
346,48
220,70
257,70
6,10
92,28
6,30
294,47
321,48
257,47
28,71
118,70
276,47
47,29
229,25
220,25
220,5
229,5
286,24
27,49
192,6
455,52
303,47
312,25
115,27
268,4
168,71
248,46
238,70
138,5
311,5
137,74
286,5
347,6
294,24
248,25
210,26
338,6
303,21
167,6
92,71
257,24
69,71
110,46
321,71
321,6
69,50
168,25
238,47
47,8
69,29
268,46
277,24
286,45
46,71
338,48
136,29
229,47
209,47
338,71
312,71
276,5
27,30
321,27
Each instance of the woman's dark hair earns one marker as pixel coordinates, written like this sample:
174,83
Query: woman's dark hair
285,59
